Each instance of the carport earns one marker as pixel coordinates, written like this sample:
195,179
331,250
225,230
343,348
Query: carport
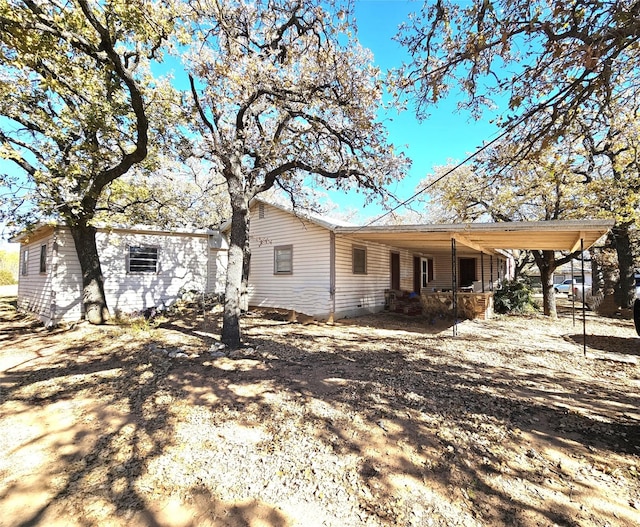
487,239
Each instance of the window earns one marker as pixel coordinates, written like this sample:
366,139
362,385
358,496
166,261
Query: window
359,255
283,259
143,260
43,258
426,271
25,262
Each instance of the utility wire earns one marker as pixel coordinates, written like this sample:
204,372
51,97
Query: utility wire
437,180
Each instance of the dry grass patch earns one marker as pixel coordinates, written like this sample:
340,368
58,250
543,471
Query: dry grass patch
377,421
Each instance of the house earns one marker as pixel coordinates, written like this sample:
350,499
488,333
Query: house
299,262
570,271
329,269
142,267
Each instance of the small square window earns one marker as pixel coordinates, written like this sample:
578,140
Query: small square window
142,260
359,260
283,259
43,258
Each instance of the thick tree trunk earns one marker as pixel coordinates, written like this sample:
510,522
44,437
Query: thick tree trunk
238,247
93,298
625,289
546,262
596,275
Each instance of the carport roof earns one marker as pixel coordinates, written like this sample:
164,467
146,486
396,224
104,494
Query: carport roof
486,237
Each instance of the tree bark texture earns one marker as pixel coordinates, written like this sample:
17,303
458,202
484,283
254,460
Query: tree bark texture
546,262
238,248
94,302
625,289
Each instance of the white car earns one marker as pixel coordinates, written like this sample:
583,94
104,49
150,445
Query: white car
566,286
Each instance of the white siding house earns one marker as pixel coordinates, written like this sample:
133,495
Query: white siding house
142,268
290,261
305,264
300,262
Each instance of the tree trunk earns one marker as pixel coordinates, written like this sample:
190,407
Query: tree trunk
625,289
596,275
546,262
238,247
93,299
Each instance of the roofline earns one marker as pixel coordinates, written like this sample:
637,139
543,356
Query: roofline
325,223
30,231
511,226
138,229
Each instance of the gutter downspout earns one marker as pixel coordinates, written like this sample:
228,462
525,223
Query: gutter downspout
332,275
54,274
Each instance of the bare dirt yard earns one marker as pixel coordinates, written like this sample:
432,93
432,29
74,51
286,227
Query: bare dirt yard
378,421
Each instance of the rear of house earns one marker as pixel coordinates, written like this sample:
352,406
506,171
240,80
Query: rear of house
298,263
306,264
142,268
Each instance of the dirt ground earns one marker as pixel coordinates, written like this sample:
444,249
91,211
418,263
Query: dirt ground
383,420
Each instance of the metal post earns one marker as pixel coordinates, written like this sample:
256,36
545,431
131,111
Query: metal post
482,270
491,273
584,302
454,286
573,296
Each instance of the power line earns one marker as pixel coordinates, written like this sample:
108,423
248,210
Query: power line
437,180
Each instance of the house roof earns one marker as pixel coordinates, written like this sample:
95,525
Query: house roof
318,219
487,237
556,235
43,229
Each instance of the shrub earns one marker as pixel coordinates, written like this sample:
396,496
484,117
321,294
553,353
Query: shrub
7,277
514,297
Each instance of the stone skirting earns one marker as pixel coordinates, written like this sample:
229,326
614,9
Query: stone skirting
470,305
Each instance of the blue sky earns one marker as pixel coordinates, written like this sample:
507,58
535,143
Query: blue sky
447,135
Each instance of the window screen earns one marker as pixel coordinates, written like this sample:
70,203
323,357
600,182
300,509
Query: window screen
143,260
43,258
25,262
359,260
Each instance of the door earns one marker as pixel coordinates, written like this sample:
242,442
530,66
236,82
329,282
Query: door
426,271
417,274
467,268
395,271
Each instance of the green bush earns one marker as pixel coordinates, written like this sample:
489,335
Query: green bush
514,297
7,277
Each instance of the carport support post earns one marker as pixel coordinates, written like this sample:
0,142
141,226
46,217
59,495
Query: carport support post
454,286
482,269
491,272
573,295
584,300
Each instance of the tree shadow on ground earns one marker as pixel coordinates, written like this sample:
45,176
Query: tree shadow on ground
408,395
407,410
611,344
101,408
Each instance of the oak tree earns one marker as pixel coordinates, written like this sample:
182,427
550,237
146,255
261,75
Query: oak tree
558,71
549,58
75,95
285,98
490,190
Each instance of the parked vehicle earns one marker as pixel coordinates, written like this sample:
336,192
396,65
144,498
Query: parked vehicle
578,291
566,286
